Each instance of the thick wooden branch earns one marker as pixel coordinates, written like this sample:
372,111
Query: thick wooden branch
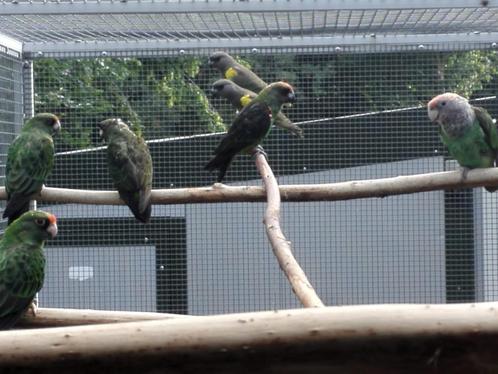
280,245
52,317
418,335
219,193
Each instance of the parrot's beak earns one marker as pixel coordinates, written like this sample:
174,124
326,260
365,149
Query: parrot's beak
433,114
52,230
101,132
432,110
291,98
215,92
56,127
210,62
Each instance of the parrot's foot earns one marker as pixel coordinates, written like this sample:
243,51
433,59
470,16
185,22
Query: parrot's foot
258,150
465,172
33,307
219,185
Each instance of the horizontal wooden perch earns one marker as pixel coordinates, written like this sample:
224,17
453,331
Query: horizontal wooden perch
52,317
420,336
219,193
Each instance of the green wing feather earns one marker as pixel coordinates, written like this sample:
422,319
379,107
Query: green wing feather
488,127
248,129
21,277
29,162
130,166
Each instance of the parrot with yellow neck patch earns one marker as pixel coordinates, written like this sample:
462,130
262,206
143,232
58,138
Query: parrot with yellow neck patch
240,97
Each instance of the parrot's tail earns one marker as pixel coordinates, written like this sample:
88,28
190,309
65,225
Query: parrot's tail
132,200
16,206
221,162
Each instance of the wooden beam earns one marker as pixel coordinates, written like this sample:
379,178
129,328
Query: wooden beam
53,317
340,335
219,193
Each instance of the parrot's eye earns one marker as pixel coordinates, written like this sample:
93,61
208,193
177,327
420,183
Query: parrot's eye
443,103
40,221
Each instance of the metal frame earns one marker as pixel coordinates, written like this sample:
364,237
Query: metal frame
19,7
339,44
10,45
53,27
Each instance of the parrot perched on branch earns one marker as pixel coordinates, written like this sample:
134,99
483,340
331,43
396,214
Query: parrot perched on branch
251,125
30,160
239,97
232,70
468,131
22,263
130,166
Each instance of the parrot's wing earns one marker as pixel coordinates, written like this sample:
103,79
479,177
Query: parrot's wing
28,164
12,307
16,293
125,173
488,127
252,123
284,122
130,165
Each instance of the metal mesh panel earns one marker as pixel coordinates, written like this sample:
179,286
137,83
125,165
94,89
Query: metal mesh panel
212,25
109,26
361,117
11,104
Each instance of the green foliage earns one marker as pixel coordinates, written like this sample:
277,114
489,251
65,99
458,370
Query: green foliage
153,95
477,67
341,84
164,97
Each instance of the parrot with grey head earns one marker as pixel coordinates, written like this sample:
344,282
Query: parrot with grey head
239,97
22,263
232,70
130,166
468,131
250,126
30,159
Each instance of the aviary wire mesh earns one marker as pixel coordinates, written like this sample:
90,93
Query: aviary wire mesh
362,77
361,118
11,104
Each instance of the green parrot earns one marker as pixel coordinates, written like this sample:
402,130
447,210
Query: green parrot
130,166
22,263
250,126
468,131
30,159
232,70
240,97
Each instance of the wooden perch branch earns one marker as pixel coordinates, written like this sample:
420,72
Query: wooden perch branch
280,245
52,317
339,334
219,193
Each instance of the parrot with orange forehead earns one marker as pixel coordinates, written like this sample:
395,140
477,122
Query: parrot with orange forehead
468,131
251,126
22,263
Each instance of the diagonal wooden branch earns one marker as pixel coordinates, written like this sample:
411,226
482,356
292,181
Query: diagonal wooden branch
280,245
220,193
